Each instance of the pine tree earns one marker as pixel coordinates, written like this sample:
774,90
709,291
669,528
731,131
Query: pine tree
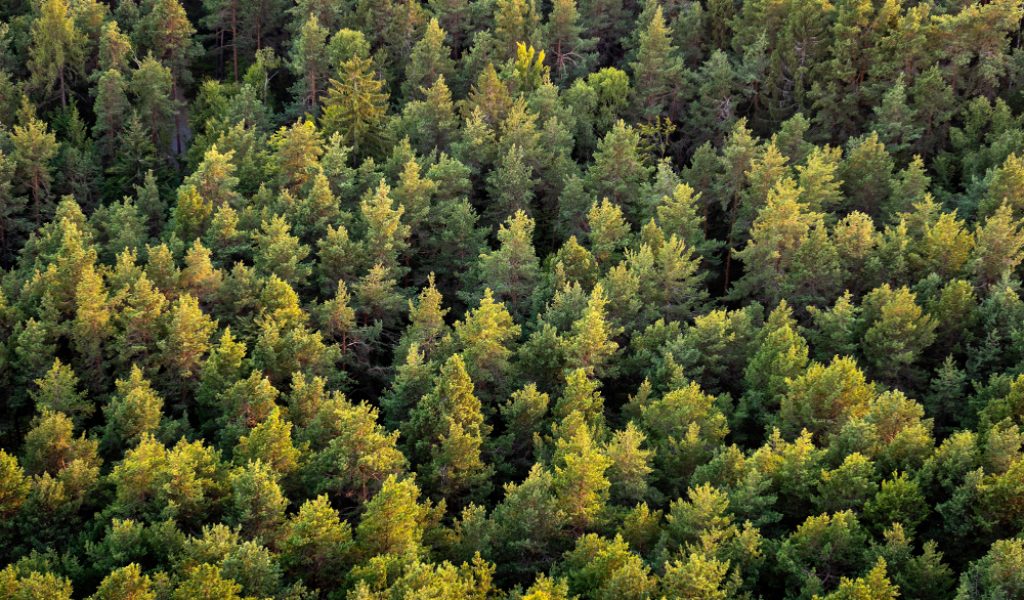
866,172
895,121
206,582
360,454
998,243
591,345
308,62
281,254
317,543
270,443
111,107
114,49
430,60
511,186
579,482
356,106
152,84
607,231
449,432
134,411
875,584
511,271
485,338
771,258
630,468
34,147
91,327
781,356
515,22
997,573
12,221
14,487
167,33
55,56
570,54
802,560
387,234
257,503
898,330
674,288
394,521
618,171
214,178
188,338
57,391
667,421
138,323
718,96
825,397
124,583
244,405
222,18
51,447
606,21
657,70
818,179
699,576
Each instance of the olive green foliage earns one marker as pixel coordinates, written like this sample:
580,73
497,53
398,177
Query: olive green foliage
511,299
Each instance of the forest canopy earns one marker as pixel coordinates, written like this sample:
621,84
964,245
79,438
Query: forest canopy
511,299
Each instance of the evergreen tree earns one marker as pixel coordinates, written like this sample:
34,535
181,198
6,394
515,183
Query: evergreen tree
570,54
430,60
308,62
394,521
511,271
449,430
34,147
55,56
135,410
355,107
619,172
657,70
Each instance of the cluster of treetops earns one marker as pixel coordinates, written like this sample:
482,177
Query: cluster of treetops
506,299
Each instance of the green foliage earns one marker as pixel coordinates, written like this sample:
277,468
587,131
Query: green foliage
512,299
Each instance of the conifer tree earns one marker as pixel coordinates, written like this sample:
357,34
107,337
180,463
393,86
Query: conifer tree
657,70
55,56
394,521
430,60
317,543
135,410
781,356
34,147
515,22
590,345
997,246
579,480
485,338
619,172
823,398
152,84
898,330
111,108
58,391
355,107
308,62
166,32
511,271
188,337
449,430
570,54
281,254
